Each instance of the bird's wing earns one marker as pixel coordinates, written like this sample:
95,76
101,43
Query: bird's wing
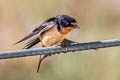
31,43
42,28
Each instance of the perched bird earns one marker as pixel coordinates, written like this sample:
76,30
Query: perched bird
51,32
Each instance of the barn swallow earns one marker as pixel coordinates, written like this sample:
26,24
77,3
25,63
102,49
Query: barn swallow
50,33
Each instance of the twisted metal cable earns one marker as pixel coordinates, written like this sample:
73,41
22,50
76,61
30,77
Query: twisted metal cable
59,49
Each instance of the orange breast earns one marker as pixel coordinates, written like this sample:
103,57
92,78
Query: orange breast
66,30
52,37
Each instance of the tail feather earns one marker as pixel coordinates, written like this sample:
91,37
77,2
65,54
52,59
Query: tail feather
27,37
32,43
40,61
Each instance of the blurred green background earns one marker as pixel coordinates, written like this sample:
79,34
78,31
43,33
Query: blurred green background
99,20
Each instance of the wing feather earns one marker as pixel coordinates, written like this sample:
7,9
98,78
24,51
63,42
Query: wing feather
31,43
42,28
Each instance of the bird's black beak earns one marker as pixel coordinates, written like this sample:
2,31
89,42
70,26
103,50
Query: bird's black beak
76,26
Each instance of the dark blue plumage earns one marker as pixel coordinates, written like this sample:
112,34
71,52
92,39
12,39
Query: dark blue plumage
66,20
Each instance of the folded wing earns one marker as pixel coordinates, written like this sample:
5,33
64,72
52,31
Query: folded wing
42,28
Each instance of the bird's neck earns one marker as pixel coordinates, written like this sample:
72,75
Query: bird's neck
66,30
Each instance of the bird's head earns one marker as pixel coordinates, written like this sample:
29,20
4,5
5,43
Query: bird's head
67,23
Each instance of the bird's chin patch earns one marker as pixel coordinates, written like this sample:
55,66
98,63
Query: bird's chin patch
66,30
